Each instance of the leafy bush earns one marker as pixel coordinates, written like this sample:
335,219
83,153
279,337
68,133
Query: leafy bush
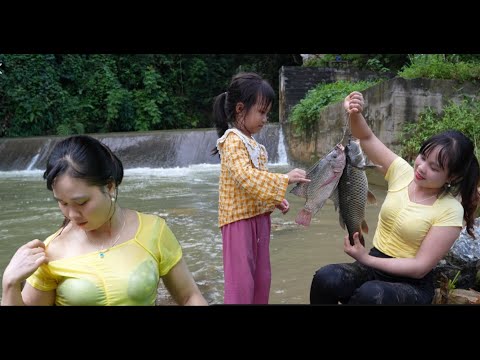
461,116
373,62
63,94
306,113
440,66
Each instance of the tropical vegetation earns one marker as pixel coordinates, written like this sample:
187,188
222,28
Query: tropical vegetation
63,94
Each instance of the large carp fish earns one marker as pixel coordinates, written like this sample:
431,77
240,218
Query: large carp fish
352,194
324,176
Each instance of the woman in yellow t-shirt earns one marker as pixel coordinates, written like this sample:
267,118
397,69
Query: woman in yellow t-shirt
418,223
103,254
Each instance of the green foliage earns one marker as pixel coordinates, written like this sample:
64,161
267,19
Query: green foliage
452,284
66,129
442,66
373,62
305,114
461,116
48,94
30,95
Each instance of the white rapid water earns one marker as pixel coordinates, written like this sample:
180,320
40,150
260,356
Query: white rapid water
32,162
282,151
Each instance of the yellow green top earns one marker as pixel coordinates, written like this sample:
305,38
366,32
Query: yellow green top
127,274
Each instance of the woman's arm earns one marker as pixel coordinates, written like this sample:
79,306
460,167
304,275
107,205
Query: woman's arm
375,150
181,285
434,247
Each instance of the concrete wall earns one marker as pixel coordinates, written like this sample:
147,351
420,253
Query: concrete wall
153,149
295,81
388,106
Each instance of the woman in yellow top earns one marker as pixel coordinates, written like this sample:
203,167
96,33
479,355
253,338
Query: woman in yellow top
248,192
103,254
418,223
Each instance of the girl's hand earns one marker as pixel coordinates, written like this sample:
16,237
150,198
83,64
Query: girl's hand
354,102
297,176
284,206
357,250
26,260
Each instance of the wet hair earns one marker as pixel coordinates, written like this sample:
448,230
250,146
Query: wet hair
83,157
247,88
456,155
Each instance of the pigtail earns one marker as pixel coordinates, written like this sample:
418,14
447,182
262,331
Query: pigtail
469,191
220,115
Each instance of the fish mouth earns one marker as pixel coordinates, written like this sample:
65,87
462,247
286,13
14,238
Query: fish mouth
341,147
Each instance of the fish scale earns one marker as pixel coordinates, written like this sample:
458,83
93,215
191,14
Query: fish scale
353,191
352,194
324,176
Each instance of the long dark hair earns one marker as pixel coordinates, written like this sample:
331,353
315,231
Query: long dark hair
83,157
456,155
247,88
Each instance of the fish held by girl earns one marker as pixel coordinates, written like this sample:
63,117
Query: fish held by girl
324,176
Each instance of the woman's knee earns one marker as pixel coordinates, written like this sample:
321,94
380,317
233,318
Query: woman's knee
371,292
327,277
322,274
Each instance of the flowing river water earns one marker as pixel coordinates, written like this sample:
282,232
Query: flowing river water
187,198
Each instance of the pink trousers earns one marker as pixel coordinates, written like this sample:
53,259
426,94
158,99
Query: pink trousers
246,260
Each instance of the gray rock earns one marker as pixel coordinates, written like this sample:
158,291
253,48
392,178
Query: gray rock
464,256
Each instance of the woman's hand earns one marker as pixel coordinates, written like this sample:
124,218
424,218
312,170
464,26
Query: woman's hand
357,250
284,206
26,260
354,102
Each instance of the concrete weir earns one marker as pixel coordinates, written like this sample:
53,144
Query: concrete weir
153,149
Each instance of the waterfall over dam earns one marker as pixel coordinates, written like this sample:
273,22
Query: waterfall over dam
153,149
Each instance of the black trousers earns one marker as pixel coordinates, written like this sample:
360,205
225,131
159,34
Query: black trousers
354,283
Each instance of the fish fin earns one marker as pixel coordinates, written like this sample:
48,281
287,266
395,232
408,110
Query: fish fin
335,176
350,237
362,240
334,198
300,190
365,167
340,220
304,217
364,227
371,199
371,164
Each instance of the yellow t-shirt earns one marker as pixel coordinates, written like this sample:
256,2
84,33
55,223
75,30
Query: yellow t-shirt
128,274
246,191
403,224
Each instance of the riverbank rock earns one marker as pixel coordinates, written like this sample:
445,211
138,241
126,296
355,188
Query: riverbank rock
456,296
457,276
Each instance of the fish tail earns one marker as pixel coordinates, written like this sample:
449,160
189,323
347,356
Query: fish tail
350,237
371,199
364,227
362,240
304,217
